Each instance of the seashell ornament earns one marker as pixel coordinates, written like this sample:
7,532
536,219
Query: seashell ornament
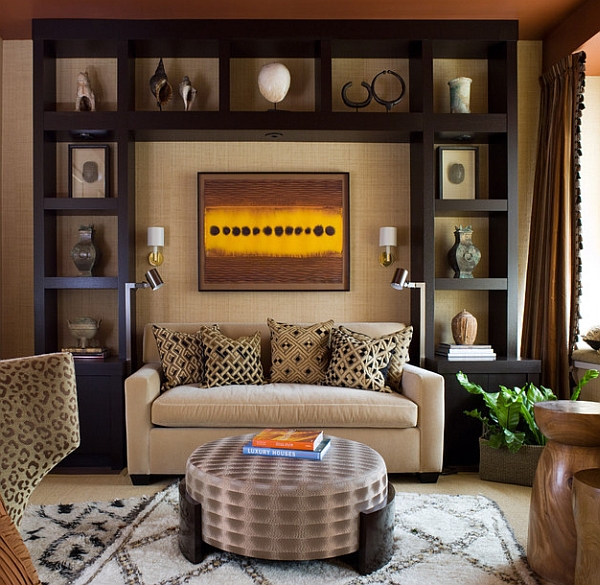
187,93
274,82
160,87
86,100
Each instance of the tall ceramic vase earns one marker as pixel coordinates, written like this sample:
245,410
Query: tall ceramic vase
460,95
84,253
464,255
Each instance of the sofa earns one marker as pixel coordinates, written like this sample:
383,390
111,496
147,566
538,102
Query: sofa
187,393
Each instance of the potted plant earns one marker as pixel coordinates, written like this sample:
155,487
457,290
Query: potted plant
511,441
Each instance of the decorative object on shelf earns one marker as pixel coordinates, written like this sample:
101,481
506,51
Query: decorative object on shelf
400,282
187,93
160,87
274,81
85,253
592,338
353,104
458,172
86,99
372,94
153,281
388,240
389,104
273,231
464,255
156,240
460,95
464,328
84,329
88,170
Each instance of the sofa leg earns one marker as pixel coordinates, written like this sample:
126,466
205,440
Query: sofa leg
430,477
142,479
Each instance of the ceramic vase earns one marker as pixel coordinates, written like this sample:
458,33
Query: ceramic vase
464,328
84,253
464,255
460,95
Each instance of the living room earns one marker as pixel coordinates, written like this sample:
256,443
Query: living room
167,195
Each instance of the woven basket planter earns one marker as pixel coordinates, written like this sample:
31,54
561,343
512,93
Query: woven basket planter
503,466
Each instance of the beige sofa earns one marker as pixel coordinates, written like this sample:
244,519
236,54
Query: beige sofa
163,429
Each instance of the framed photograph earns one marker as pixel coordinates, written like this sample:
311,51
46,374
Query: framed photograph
273,231
88,170
458,168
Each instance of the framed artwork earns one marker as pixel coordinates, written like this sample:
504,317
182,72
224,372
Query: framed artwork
273,231
458,168
88,170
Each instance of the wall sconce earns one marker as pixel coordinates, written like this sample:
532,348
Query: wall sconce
156,240
387,238
154,282
399,282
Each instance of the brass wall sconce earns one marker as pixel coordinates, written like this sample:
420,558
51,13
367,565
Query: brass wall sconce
387,239
156,240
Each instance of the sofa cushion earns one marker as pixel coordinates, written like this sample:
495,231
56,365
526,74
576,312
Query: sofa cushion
299,354
231,361
282,405
358,363
180,357
402,339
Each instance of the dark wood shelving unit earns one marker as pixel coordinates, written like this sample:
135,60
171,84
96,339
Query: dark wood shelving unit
421,43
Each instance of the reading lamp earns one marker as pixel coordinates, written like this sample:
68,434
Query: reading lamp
399,282
154,282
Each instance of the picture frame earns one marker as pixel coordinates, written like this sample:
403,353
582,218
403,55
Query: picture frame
89,170
458,172
273,231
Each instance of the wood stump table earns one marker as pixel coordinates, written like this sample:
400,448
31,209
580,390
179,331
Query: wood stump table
573,432
586,510
280,508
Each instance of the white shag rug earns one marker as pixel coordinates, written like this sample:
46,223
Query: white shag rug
439,540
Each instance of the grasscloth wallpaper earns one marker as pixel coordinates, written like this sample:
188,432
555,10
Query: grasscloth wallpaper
167,196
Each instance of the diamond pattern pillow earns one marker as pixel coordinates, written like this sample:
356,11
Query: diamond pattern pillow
181,357
299,354
231,361
358,363
400,356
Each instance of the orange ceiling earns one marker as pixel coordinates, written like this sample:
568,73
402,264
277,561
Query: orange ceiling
537,18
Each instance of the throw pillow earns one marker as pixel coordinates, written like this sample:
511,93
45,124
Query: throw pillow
231,361
181,357
400,356
299,355
357,363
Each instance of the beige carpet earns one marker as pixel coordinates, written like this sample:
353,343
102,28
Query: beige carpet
439,539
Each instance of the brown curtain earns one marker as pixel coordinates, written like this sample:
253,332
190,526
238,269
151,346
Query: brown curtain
551,311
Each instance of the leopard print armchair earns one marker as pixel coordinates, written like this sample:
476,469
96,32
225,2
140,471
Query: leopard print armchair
39,423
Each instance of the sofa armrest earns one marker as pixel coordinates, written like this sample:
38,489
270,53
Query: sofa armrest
426,389
141,389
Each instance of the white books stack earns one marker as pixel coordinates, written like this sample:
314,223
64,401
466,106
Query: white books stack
454,352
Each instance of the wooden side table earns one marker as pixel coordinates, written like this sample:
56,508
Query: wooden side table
586,511
573,431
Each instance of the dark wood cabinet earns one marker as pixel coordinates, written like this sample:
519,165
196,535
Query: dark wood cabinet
122,51
462,432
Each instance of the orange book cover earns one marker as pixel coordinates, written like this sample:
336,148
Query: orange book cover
300,439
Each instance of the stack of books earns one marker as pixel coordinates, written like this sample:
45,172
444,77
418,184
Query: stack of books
88,352
291,443
465,352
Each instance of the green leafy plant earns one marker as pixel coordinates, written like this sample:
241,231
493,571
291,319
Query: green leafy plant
509,421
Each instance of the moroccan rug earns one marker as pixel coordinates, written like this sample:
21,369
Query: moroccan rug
439,540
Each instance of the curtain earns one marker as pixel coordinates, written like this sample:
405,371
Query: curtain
553,285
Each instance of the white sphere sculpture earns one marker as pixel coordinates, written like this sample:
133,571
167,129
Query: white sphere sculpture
274,82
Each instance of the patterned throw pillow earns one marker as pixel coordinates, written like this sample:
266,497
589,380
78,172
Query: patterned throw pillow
357,363
181,357
299,355
402,339
231,361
